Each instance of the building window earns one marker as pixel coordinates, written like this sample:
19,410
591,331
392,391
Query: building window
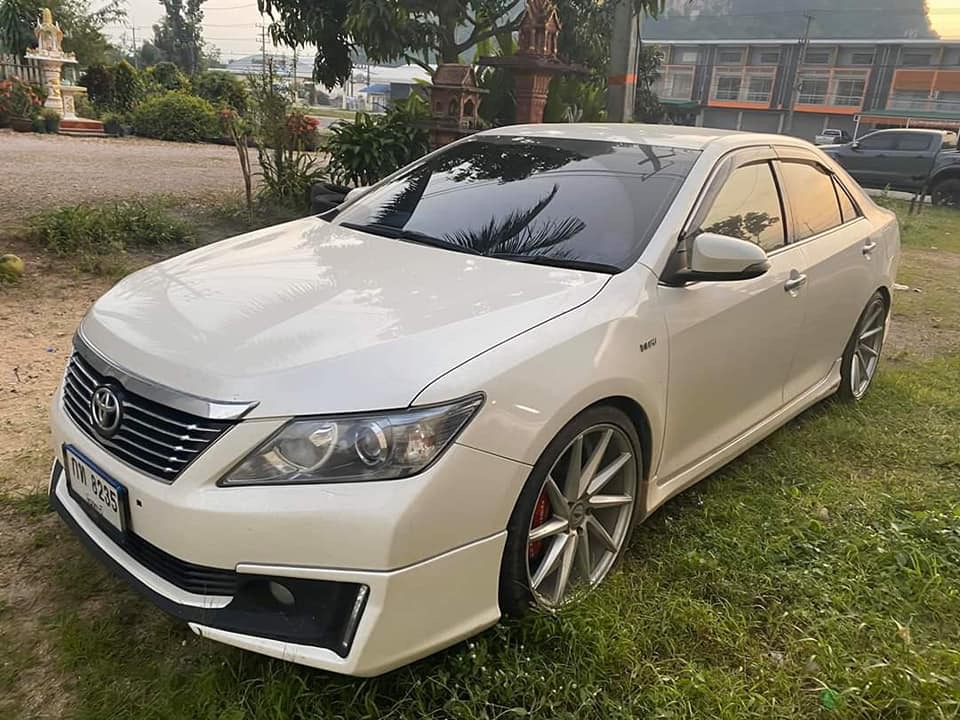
770,57
675,84
687,57
916,59
861,58
728,88
816,57
813,90
730,57
759,89
849,91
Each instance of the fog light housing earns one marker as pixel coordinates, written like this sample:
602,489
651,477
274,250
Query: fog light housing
281,593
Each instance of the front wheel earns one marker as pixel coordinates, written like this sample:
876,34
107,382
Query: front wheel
946,193
862,354
575,514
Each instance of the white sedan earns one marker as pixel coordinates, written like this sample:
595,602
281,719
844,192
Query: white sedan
352,440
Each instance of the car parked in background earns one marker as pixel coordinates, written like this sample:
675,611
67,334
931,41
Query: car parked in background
903,159
352,440
831,136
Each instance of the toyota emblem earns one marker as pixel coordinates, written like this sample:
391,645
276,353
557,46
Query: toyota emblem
105,410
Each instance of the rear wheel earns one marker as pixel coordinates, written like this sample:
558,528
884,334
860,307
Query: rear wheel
575,514
862,354
946,193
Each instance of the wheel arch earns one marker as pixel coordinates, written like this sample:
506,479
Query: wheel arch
885,294
641,422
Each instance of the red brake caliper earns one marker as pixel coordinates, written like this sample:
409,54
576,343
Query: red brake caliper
541,511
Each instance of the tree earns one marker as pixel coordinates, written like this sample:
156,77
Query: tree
646,105
16,22
178,34
82,27
425,30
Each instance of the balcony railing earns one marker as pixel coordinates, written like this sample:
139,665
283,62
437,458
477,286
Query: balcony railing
923,104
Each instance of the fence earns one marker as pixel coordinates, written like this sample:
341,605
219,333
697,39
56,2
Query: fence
25,69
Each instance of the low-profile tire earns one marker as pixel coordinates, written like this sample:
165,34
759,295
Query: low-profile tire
862,354
586,484
946,193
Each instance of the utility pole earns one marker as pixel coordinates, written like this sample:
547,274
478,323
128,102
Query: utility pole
797,84
263,49
624,55
136,50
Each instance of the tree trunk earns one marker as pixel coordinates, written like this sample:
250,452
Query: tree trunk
447,21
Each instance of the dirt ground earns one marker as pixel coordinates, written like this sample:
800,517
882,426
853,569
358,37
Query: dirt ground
41,171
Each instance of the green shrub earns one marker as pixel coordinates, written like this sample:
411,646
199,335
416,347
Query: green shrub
91,232
368,149
100,82
167,76
222,89
114,122
51,120
128,87
84,108
176,116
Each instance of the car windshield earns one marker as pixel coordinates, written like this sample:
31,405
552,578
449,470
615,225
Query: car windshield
573,203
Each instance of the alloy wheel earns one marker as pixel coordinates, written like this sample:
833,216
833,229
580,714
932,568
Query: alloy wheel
867,346
582,516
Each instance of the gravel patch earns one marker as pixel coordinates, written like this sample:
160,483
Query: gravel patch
43,171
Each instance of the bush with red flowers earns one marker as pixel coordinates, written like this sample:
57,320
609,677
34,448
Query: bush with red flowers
302,130
17,100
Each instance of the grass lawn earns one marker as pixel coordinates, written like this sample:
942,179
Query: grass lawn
816,576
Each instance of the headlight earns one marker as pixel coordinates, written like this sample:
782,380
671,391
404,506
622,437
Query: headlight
351,448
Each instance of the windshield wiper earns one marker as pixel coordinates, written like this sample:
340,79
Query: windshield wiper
566,263
390,231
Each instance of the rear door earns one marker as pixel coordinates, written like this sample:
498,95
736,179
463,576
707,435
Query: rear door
828,227
913,157
731,343
869,162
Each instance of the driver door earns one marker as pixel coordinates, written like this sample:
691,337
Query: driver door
732,342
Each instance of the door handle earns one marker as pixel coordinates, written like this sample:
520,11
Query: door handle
868,247
795,282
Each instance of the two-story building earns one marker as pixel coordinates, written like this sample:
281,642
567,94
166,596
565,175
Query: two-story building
854,85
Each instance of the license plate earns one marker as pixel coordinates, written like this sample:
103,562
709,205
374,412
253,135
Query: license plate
102,494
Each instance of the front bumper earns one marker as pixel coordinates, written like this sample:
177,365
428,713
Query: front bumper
394,570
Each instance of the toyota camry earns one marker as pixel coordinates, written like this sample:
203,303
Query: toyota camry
354,439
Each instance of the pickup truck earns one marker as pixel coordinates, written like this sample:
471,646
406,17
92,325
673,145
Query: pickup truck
908,159
831,136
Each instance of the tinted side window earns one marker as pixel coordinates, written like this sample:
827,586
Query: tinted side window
879,141
813,200
848,211
910,141
748,207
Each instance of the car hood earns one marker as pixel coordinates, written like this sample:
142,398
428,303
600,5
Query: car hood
309,317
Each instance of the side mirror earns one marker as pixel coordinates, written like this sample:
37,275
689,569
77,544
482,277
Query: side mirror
355,193
855,145
721,257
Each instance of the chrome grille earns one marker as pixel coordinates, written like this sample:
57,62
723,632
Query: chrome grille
153,438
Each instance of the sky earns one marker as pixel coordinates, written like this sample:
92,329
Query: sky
945,17
233,25
230,25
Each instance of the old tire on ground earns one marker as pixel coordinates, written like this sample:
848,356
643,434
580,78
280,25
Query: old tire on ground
862,354
575,513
